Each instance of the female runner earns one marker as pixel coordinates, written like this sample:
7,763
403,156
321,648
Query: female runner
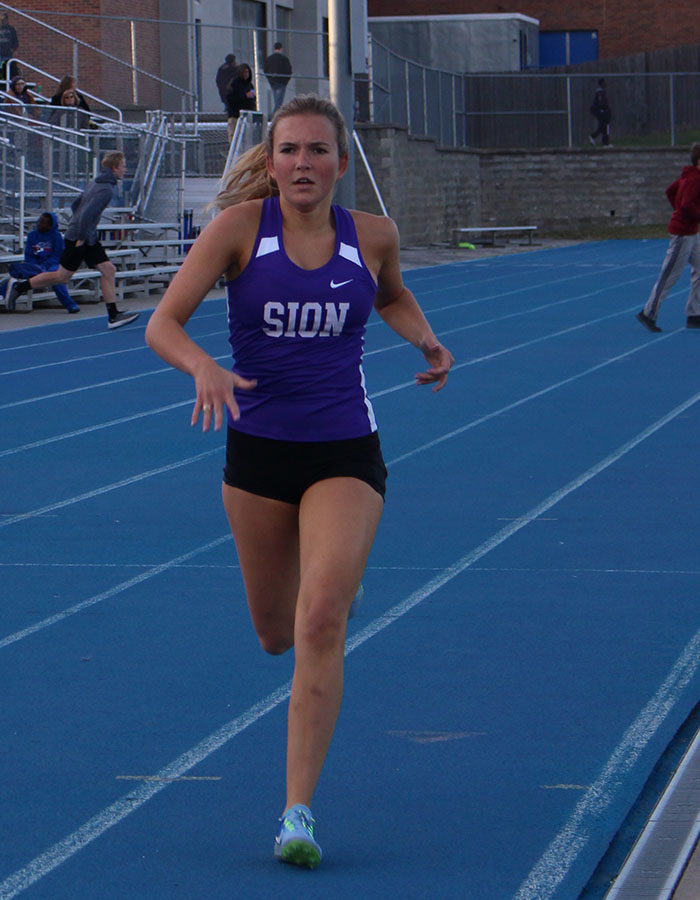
303,485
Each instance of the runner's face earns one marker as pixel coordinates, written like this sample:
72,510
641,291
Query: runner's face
305,161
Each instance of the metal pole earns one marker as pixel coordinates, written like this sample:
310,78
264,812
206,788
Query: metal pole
134,75
181,187
407,89
75,58
672,110
454,110
49,175
342,88
22,162
369,172
256,74
370,74
568,110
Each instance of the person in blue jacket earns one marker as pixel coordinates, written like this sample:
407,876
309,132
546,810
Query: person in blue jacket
42,251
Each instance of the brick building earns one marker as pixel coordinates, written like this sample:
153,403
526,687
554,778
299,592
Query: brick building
99,23
175,46
623,26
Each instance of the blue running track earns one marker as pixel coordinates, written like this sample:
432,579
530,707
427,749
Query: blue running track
527,647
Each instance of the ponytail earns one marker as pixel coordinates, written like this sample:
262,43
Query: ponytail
247,179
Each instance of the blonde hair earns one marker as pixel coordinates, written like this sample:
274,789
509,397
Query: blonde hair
113,158
248,178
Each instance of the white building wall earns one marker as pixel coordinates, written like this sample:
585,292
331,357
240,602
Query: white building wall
460,43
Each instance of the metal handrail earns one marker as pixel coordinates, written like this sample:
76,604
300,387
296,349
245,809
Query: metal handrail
153,162
46,101
246,117
78,42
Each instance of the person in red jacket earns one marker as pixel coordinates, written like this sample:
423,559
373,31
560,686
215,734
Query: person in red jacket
683,246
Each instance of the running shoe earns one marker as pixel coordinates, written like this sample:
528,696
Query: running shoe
11,294
295,842
122,318
357,599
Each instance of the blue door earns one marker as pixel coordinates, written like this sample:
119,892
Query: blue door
564,48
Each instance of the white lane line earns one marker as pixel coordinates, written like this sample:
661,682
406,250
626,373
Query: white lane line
506,350
576,299
509,275
87,387
665,821
95,334
554,865
142,348
639,733
105,489
48,509
400,345
462,303
63,850
516,403
112,592
89,429
13,519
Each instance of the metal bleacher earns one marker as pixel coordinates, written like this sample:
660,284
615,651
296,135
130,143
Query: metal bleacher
45,164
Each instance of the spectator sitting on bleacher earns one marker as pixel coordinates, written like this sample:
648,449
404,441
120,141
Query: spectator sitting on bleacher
18,94
42,251
70,114
69,83
83,245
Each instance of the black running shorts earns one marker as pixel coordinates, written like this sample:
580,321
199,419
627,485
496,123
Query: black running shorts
283,470
90,254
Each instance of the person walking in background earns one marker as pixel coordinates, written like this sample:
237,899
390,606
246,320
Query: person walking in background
240,95
225,75
82,245
600,109
304,477
42,251
278,70
683,246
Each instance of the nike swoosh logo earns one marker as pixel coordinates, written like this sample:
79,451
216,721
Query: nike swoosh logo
340,283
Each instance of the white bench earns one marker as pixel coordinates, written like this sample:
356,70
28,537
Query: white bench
143,281
488,233
165,250
7,258
86,284
166,243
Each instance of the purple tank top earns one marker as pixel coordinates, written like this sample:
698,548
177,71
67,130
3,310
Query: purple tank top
300,333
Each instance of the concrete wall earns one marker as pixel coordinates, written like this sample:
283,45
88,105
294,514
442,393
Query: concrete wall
426,191
429,191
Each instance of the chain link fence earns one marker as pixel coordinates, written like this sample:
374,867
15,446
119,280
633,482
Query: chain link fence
526,110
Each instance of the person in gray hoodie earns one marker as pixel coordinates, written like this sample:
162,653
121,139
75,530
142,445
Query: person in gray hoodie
82,244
